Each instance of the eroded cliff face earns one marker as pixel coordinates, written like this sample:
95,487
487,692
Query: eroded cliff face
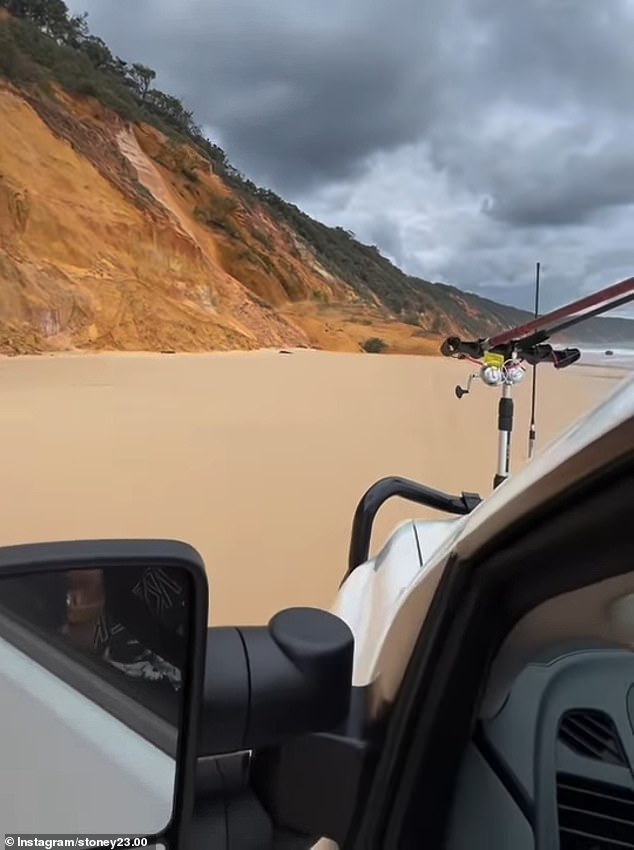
114,237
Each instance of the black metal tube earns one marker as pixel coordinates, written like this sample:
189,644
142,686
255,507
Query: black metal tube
387,488
531,430
505,429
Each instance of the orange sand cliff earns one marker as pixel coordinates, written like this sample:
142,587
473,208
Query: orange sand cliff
114,237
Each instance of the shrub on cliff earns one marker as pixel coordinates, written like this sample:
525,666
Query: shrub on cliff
374,345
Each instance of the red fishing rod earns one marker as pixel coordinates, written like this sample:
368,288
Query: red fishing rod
501,358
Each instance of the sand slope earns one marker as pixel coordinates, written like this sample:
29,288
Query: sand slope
113,237
257,459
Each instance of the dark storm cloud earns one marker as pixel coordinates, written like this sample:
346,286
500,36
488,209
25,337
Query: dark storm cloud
467,138
552,192
301,92
542,127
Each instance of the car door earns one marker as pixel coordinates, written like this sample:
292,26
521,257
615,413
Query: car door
388,774
97,737
562,532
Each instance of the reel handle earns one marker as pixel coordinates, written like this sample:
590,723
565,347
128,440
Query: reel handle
460,391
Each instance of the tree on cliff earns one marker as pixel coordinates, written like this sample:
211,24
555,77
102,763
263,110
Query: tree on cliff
48,37
171,109
16,7
98,53
141,78
51,16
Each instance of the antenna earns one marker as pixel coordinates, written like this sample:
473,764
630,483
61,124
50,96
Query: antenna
531,430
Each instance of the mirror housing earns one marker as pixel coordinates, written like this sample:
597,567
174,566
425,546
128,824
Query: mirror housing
266,684
42,561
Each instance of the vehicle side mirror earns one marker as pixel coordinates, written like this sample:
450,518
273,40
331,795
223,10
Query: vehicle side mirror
266,684
101,666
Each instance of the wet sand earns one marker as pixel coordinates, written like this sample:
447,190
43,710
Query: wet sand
256,459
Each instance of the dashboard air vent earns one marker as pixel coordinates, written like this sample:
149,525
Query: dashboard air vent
594,815
592,734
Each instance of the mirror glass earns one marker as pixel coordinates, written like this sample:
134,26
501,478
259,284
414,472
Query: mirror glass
93,666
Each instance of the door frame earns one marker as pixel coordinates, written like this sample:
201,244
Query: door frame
586,533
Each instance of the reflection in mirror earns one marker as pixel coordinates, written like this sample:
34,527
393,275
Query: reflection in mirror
92,668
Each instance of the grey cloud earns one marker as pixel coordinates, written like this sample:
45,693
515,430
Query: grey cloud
541,125
384,231
563,177
572,199
618,258
558,51
467,138
302,95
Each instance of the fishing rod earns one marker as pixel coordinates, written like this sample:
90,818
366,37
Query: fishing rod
501,358
531,427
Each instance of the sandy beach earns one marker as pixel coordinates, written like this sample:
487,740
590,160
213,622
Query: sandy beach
256,459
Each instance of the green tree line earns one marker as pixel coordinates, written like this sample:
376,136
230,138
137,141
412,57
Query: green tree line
44,40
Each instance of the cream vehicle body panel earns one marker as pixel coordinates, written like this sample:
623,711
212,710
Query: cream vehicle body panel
385,600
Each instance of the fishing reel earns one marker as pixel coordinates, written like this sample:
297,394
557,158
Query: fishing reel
496,371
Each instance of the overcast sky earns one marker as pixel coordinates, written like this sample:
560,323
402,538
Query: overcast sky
468,139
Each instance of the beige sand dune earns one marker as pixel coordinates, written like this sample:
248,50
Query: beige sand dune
257,459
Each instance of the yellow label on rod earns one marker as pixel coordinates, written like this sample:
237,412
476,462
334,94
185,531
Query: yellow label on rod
491,359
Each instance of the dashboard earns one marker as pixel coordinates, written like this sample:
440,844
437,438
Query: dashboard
554,768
